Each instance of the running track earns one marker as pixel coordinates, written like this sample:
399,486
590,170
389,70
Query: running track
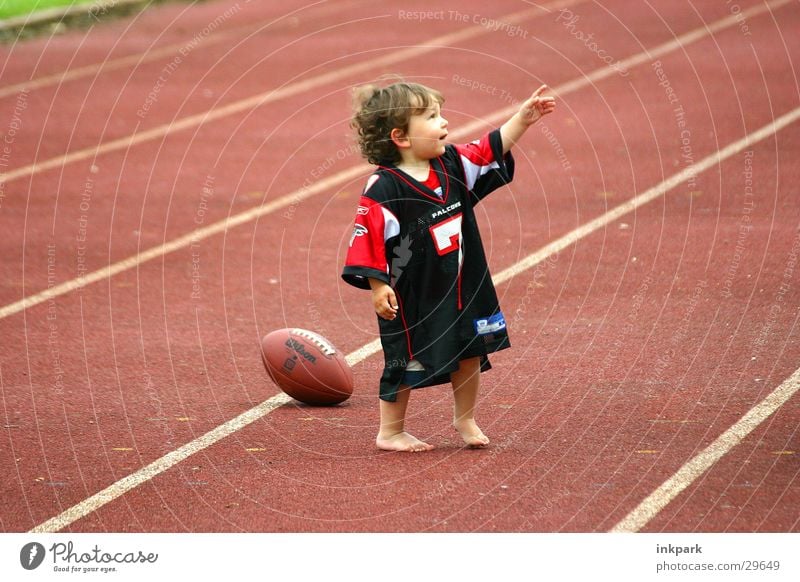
646,257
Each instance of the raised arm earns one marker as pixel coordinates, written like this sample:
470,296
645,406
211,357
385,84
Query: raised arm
529,113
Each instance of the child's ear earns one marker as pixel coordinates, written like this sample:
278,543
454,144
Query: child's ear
399,138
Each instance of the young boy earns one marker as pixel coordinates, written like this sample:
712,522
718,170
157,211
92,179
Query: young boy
416,245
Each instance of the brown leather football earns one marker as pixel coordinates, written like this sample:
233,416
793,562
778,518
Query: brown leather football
306,366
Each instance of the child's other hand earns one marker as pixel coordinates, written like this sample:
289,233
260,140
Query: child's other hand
384,301
537,106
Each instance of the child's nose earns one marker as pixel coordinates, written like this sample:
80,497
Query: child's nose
444,122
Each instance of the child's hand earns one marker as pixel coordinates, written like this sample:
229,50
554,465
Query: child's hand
384,300
537,106
529,113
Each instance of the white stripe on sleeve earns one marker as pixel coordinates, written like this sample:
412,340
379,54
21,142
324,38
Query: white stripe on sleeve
391,226
473,171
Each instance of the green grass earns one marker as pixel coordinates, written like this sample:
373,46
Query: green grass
9,8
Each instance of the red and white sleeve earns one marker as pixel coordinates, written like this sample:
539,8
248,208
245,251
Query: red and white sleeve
478,159
366,255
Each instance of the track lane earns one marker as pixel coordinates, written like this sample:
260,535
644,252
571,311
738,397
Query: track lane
597,75
259,412
210,27
103,176
290,82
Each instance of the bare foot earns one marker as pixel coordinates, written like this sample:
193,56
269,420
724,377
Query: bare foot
471,434
402,441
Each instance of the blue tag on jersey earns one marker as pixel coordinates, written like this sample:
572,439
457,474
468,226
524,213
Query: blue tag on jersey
489,325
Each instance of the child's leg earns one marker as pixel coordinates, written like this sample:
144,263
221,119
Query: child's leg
391,436
466,382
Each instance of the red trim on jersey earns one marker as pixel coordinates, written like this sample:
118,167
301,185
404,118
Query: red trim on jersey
478,152
445,187
405,325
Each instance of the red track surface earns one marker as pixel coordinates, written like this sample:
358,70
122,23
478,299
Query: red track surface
634,348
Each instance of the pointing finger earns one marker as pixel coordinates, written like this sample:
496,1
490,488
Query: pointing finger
540,90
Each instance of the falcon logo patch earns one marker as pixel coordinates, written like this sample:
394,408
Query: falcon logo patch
358,230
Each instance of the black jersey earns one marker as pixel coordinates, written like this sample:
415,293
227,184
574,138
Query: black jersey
426,245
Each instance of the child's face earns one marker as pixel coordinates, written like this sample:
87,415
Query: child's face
427,132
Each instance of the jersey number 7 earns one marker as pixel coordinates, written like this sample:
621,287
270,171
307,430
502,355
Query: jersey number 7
447,235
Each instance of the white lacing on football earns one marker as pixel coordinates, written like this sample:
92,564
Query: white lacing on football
326,348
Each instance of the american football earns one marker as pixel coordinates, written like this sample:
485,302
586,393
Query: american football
307,367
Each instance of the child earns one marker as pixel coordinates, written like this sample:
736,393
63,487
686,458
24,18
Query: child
416,245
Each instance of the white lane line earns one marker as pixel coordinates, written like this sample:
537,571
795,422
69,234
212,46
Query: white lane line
181,242
126,484
255,101
652,193
699,464
157,467
271,25
351,173
646,55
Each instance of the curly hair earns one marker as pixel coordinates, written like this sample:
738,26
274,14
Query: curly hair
380,110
